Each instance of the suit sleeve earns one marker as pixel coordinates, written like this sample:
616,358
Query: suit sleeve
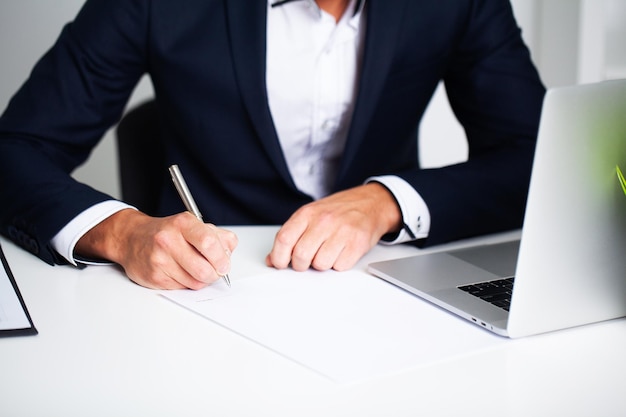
74,94
497,95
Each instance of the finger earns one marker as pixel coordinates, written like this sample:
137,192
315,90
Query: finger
347,259
307,248
328,254
197,266
228,239
174,257
177,277
286,239
177,256
165,274
205,238
342,250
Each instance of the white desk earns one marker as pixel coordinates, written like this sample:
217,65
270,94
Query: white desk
107,347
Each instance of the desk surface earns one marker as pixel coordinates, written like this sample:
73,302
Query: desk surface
107,347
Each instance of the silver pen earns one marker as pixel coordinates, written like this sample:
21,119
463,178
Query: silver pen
185,195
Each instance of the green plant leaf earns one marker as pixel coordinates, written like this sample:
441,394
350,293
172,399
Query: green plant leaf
620,176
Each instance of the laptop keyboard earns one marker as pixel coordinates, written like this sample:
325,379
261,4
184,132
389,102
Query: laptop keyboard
497,292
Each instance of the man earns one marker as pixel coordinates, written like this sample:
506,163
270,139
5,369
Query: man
302,113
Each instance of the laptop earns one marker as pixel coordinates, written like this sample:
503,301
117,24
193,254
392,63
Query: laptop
569,266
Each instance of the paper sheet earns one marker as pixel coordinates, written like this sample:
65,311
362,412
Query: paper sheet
347,326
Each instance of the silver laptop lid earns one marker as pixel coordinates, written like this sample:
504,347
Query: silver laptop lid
574,235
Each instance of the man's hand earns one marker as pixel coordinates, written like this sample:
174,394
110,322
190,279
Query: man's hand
174,252
336,231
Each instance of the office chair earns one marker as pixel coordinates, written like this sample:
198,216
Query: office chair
141,157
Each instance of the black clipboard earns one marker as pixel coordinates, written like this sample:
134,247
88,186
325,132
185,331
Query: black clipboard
25,329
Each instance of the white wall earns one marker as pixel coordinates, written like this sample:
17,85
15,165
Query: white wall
550,27
571,42
442,140
28,28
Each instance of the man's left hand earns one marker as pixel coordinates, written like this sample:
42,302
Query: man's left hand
336,231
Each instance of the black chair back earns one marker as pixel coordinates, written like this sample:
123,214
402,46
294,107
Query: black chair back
141,157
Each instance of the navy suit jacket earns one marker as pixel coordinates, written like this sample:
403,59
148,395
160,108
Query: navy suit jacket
206,59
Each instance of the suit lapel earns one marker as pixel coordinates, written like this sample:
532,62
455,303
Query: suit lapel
383,18
247,21
247,28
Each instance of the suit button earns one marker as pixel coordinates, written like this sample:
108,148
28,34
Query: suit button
24,240
32,246
12,232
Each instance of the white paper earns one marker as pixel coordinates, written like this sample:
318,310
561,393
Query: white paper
347,326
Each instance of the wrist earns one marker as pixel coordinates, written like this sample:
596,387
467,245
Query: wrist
107,239
387,208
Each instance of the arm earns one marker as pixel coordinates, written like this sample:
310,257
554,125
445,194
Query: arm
496,93
74,94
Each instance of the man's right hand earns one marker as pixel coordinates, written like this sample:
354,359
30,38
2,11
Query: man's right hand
173,252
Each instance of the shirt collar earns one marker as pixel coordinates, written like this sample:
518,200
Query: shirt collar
358,7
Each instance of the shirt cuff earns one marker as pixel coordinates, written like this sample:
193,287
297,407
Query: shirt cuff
415,213
65,240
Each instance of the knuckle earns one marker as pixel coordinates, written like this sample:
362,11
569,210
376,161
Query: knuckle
299,254
232,238
301,260
321,265
278,262
207,244
156,261
284,237
162,239
177,221
326,219
183,218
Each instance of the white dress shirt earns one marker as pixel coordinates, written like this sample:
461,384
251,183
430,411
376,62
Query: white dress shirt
313,67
